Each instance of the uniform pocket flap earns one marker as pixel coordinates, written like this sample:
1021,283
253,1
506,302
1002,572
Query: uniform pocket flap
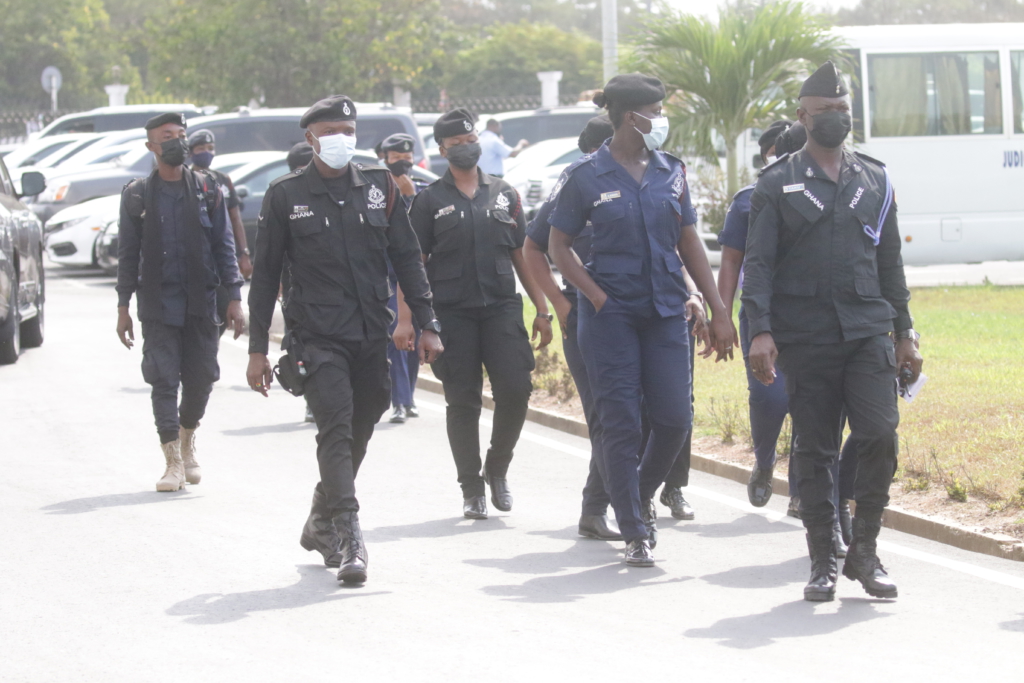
810,207
447,269
797,287
377,218
502,216
446,222
307,226
617,263
608,212
503,265
672,262
868,286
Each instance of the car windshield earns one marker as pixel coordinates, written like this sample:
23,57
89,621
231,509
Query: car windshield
34,152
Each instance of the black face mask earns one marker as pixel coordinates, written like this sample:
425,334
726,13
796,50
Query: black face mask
831,128
464,156
400,167
173,152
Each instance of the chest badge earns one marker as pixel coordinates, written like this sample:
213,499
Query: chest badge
607,197
445,211
678,184
798,187
376,198
300,211
501,203
809,173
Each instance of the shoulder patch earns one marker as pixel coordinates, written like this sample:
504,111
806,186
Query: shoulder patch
872,160
772,165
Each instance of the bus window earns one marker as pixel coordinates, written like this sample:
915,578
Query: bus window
1017,83
935,94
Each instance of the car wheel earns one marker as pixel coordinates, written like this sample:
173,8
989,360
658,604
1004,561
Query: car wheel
32,329
10,341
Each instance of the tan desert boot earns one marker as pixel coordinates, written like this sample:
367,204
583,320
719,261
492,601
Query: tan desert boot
174,476
193,473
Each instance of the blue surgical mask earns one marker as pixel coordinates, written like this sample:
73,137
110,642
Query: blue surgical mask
659,131
336,150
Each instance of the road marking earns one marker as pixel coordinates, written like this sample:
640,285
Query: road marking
955,565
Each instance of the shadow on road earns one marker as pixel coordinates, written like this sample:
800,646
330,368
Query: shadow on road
114,500
256,430
609,578
1016,625
315,586
746,525
435,528
798,619
136,390
763,576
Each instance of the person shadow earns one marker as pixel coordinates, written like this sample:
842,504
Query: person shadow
79,505
1015,625
747,525
763,576
225,608
436,528
258,430
797,619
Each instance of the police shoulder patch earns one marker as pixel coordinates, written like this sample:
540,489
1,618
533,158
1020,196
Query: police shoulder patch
772,165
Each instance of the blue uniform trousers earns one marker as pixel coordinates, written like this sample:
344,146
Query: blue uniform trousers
595,494
633,354
405,365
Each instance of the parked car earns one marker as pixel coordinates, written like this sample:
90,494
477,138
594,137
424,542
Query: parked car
35,151
437,163
22,278
107,119
71,234
538,125
542,160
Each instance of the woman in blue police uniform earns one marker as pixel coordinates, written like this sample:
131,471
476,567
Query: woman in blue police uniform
632,319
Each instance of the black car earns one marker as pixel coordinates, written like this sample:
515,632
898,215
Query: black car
22,283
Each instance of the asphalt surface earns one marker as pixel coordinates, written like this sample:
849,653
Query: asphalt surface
103,579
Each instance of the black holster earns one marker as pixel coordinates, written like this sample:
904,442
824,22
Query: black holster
293,368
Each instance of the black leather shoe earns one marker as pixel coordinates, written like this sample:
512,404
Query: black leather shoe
672,498
862,563
759,488
398,415
846,521
319,533
650,517
638,553
474,508
501,496
599,527
353,550
794,507
822,585
412,411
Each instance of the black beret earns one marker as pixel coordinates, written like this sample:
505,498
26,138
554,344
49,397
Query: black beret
791,140
299,155
825,82
164,119
455,122
597,130
399,142
631,90
333,108
771,134
200,137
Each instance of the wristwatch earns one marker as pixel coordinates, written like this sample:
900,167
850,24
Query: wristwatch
908,333
433,326
546,316
246,251
698,295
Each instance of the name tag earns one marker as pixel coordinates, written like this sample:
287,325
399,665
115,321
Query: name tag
799,187
445,211
607,197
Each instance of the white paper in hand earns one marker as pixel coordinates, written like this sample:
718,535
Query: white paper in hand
910,391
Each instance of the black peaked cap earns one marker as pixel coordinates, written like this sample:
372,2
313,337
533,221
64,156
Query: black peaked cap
791,140
164,119
771,134
333,108
631,90
399,142
455,122
825,82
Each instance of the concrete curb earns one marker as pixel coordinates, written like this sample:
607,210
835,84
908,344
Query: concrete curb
997,545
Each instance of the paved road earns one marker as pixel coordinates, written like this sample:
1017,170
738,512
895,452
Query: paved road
102,579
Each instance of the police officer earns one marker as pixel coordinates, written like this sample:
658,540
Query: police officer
471,229
632,322
338,224
826,298
174,249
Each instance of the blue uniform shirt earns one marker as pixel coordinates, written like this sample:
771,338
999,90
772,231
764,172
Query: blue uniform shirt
737,221
636,227
539,231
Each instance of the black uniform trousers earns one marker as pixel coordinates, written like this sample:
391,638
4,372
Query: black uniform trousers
822,380
492,337
348,391
185,356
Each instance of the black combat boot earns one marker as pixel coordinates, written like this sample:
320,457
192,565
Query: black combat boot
837,539
353,551
824,570
319,533
650,517
846,521
862,563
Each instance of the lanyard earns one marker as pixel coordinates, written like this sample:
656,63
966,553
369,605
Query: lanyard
876,233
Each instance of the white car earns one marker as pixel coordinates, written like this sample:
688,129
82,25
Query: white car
70,234
538,162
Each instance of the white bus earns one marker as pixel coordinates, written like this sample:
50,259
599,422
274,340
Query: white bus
942,107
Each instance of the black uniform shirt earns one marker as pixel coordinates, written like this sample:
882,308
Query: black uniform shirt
469,242
811,272
338,248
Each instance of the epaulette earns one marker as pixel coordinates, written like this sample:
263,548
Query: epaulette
566,172
673,156
370,167
777,160
287,176
873,160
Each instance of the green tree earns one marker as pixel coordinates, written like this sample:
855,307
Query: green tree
508,61
872,12
74,36
739,73
571,15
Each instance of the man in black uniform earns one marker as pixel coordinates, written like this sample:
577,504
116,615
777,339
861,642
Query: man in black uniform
471,229
174,249
339,224
825,295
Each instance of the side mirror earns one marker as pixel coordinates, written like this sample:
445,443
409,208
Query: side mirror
32,183
242,191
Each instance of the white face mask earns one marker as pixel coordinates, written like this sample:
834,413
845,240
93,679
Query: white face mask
336,150
659,132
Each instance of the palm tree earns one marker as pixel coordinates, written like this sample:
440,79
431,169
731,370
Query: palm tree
740,73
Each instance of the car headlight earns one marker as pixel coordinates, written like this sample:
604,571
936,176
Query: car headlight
52,227
52,195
